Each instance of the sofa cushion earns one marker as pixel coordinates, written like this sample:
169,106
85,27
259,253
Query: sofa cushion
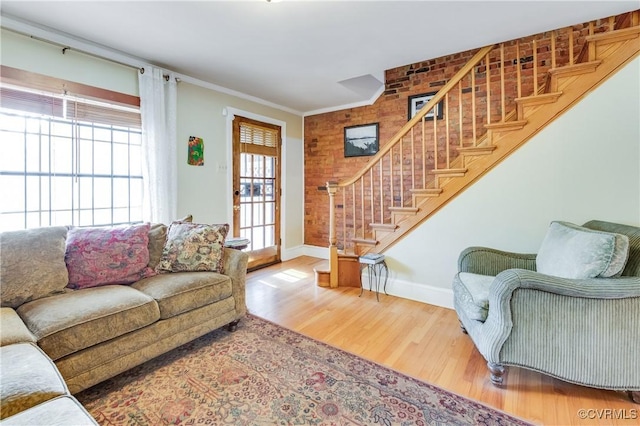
193,247
12,328
571,251
472,292
61,411
67,323
184,291
157,238
110,255
29,378
32,264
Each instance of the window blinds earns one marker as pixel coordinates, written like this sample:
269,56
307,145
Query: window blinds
77,109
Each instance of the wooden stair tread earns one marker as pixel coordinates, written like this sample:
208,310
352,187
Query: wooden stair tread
575,69
404,209
615,36
477,150
546,98
506,125
364,242
426,191
384,226
449,171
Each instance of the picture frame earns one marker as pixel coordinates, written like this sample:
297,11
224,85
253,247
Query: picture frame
361,140
416,102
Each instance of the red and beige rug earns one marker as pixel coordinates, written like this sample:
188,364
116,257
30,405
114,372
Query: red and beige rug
264,374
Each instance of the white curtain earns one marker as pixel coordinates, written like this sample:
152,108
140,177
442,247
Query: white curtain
159,144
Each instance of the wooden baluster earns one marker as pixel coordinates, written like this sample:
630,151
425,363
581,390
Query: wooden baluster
381,192
371,197
570,45
553,49
424,157
344,217
473,105
487,76
612,23
391,177
353,210
535,67
362,205
332,188
446,122
460,113
435,138
591,46
413,161
518,71
502,98
401,172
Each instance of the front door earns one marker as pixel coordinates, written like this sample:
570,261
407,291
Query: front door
256,189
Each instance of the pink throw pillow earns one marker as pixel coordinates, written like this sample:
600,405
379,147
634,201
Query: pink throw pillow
101,256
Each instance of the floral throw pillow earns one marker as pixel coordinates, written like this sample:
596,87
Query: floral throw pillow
113,255
193,247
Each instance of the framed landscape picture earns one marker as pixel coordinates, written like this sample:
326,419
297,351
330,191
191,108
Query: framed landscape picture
416,102
361,140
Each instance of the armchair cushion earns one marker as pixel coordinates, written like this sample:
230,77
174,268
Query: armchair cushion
571,251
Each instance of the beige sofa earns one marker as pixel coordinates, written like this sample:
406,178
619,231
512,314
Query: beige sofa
49,332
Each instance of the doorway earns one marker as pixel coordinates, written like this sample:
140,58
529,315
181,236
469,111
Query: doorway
257,189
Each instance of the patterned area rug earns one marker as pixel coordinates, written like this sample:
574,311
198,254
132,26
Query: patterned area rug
264,374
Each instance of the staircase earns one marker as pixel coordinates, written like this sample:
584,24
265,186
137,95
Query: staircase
489,112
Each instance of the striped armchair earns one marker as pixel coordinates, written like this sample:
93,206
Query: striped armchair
581,330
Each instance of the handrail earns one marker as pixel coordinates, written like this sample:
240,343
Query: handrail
423,158
479,56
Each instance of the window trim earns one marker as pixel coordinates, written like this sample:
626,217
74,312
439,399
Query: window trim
32,80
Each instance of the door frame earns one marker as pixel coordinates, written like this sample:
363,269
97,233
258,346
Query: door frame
230,113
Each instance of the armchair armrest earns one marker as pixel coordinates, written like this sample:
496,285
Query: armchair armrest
488,261
235,266
591,288
609,298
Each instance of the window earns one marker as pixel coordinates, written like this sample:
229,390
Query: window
67,161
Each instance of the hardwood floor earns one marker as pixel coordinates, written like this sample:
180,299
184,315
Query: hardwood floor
422,341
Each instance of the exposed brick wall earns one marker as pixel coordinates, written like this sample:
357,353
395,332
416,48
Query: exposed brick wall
324,133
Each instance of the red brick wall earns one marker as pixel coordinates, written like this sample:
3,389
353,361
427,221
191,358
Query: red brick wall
324,133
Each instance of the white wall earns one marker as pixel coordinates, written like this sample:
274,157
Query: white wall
585,165
203,191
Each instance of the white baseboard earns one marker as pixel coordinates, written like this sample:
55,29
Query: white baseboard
425,293
292,253
315,251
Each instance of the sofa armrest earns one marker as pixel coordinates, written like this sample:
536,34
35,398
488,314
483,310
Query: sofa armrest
13,329
235,266
488,261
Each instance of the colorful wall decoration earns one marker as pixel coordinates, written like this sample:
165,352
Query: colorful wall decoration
196,151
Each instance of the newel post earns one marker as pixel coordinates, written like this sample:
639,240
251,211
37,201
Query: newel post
332,188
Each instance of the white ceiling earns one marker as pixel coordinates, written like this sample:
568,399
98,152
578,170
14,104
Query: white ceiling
294,54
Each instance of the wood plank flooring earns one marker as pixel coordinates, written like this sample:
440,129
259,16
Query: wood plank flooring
422,341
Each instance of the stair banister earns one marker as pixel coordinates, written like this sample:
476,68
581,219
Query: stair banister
398,162
479,56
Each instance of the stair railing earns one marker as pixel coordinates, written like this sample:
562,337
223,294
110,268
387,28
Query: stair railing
425,153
